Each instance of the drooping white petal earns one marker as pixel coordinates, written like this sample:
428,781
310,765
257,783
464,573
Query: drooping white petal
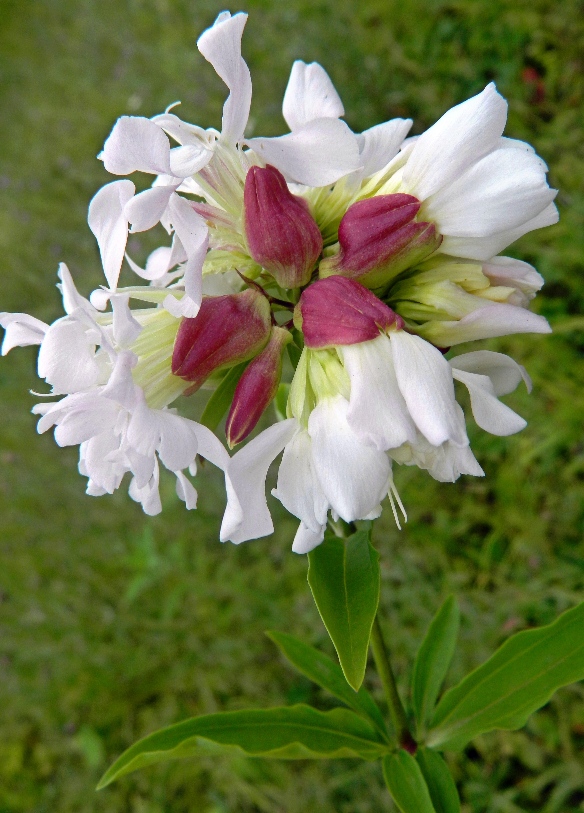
298,487
310,95
109,224
353,476
425,380
193,234
486,323
157,264
126,328
22,330
186,491
221,46
502,191
508,271
136,144
67,358
181,131
306,540
463,135
505,374
247,515
483,248
379,144
489,413
377,411
79,417
178,445
72,299
317,154
144,210
101,462
148,496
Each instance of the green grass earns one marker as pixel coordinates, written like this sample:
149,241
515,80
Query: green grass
113,624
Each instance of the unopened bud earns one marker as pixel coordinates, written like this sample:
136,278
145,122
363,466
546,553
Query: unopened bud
379,239
281,234
226,331
256,388
338,311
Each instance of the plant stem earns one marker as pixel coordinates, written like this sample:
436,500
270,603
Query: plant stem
396,709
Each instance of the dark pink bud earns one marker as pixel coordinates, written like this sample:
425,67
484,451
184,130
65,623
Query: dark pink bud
227,330
281,234
337,311
256,388
379,239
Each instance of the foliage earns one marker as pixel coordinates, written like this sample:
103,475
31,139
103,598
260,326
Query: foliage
115,625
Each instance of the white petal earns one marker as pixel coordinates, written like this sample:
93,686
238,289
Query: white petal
486,323
193,234
126,328
157,264
186,491
247,515
425,380
221,46
148,495
310,95
108,223
306,540
100,462
178,445
508,271
136,144
181,131
66,358
483,248
298,487
504,372
504,190
381,143
463,135
353,476
22,330
210,447
187,160
144,210
489,413
121,387
317,154
377,412
72,299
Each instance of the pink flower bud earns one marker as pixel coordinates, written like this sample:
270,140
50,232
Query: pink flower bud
337,311
282,235
379,239
256,388
227,330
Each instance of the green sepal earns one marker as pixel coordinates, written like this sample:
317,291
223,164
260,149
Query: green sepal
294,732
439,780
406,783
220,401
433,660
517,680
343,575
319,668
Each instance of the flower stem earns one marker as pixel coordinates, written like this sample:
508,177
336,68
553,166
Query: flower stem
396,709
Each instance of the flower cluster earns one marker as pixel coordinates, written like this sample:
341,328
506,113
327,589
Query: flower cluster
323,270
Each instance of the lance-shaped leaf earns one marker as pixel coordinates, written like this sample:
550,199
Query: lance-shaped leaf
518,679
433,660
319,668
344,578
295,732
439,780
406,783
220,401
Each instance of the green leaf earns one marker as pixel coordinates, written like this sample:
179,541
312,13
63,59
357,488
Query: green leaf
518,679
433,660
319,668
406,783
220,401
296,732
343,575
439,781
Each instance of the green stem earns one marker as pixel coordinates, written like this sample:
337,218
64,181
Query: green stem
396,709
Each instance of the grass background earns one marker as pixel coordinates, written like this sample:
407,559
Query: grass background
113,624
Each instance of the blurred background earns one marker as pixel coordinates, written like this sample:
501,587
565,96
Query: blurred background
113,624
